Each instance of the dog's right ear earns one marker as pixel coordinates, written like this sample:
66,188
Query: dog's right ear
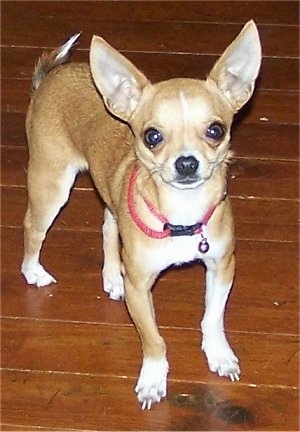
120,83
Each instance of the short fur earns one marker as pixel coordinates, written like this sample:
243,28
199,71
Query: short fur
96,117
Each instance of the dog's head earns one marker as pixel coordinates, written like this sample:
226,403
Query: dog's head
181,126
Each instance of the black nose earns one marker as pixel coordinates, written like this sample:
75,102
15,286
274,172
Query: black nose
186,165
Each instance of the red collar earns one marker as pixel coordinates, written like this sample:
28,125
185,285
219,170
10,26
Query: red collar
169,230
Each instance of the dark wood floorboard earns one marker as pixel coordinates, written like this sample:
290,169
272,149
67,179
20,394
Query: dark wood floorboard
187,37
283,12
84,399
161,66
117,348
70,356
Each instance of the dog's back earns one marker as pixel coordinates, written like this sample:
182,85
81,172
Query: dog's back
67,117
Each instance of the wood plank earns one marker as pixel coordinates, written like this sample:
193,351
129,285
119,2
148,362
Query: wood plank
265,141
15,95
13,427
247,178
101,349
191,37
255,220
263,287
13,129
264,179
277,107
19,63
283,12
107,403
272,141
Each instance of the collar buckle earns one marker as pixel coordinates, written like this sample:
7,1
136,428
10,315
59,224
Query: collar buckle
183,230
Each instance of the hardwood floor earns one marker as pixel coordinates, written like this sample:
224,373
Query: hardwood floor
70,356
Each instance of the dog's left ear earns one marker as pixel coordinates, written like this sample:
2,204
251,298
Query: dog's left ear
118,80
236,70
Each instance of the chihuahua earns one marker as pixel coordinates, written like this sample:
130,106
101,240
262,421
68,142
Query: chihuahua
158,155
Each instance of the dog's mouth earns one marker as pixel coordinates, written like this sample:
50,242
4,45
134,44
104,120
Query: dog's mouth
186,182
194,180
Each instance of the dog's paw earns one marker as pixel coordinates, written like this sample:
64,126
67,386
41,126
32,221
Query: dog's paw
113,285
221,358
152,382
37,275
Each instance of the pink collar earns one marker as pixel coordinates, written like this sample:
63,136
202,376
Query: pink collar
169,230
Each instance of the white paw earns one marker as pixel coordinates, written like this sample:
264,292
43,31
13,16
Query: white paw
152,382
221,358
37,275
113,285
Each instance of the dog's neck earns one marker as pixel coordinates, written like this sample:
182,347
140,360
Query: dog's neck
183,206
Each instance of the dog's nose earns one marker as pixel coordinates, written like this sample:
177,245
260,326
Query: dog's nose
186,165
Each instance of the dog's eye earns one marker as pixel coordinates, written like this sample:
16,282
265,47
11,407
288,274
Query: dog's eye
152,137
215,131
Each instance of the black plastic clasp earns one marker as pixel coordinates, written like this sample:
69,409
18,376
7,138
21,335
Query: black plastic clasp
182,230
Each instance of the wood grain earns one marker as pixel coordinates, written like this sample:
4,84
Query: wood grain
187,37
97,349
160,66
283,12
190,406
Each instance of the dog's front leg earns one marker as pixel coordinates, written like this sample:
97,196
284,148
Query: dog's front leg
152,382
220,356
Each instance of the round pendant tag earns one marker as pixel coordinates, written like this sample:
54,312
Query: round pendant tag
203,246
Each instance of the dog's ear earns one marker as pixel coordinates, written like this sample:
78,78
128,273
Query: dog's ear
117,79
236,70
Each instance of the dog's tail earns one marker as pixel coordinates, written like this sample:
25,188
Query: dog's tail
49,60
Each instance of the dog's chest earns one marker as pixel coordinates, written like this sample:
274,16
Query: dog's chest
180,250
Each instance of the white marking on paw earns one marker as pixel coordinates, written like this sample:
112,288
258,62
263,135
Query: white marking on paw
37,275
152,382
113,285
221,358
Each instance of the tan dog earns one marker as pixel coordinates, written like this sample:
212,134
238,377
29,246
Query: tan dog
158,156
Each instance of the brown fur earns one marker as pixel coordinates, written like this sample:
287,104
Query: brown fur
94,117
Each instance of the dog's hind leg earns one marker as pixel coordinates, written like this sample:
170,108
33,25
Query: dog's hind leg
48,191
112,278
